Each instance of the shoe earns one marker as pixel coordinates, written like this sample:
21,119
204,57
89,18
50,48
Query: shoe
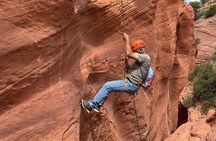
96,109
86,106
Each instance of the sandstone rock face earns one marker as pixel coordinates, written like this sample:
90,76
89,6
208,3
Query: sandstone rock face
199,126
205,30
200,130
53,53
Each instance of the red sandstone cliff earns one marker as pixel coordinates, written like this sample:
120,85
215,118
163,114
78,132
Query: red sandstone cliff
53,53
205,30
200,127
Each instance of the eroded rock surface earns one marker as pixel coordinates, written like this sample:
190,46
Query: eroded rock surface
198,126
205,31
53,53
199,130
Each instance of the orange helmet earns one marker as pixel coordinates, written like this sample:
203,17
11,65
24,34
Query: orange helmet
137,44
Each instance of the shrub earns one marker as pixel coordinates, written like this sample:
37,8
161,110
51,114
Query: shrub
204,90
208,104
213,58
211,11
196,5
197,41
188,102
193,75
203,1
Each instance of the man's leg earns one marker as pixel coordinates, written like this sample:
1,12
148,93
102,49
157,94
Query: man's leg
112,86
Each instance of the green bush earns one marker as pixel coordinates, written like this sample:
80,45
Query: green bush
188,102
211,11
196,5
204,90
193,75
203,1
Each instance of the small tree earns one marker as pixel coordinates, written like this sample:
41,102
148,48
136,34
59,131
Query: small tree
196,5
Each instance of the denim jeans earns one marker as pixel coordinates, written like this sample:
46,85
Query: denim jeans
112,86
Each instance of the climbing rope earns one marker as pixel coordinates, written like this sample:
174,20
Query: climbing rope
137,122
121,8
122,15
127,67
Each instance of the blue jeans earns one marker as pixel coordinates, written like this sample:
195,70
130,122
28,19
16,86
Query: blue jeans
112,86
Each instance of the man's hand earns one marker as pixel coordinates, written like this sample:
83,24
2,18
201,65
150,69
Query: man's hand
125,37
128,50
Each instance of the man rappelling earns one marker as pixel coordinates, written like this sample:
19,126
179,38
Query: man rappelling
136,74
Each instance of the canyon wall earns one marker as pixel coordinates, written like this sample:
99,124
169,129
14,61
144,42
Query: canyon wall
205,33
53,53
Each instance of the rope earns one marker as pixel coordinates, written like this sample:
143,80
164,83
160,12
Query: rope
137,122
122,15
127,67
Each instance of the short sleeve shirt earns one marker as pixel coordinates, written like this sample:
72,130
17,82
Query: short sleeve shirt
139,69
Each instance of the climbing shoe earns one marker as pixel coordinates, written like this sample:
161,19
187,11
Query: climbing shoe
86,106
96,109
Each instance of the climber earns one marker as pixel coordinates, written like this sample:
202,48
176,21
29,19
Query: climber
137,71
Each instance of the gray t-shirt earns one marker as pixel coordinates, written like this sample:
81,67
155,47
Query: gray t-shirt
139,69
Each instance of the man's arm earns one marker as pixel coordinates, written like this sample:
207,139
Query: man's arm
128,50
